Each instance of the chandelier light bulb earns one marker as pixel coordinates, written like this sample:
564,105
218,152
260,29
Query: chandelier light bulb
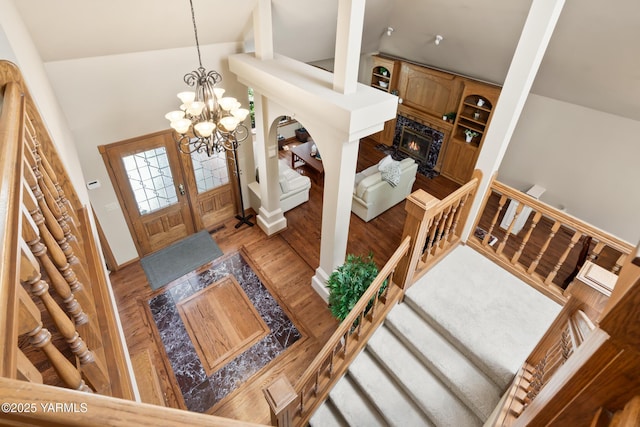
240,113
195,108
229,123
172,116
181,126
227,103
204,129
187,97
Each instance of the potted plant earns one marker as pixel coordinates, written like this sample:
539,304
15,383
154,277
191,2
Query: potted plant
449,117
469,135
348,283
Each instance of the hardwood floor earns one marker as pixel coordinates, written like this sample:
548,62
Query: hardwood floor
287,262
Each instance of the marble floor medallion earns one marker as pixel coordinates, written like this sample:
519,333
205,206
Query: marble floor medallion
192,325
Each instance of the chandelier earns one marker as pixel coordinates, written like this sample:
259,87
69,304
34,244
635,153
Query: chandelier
207,120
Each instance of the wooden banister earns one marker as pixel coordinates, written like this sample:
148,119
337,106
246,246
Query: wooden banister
42,249
550,241
431,230
332,361
583,366
54,406
10,196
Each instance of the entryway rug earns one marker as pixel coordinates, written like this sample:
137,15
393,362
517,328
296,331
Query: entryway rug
180,258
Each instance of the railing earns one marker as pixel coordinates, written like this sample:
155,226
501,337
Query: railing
550,247
584,366
294,405
435,226
432,229
63,359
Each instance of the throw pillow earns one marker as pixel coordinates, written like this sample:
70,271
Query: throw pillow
284,184
391,173
384,162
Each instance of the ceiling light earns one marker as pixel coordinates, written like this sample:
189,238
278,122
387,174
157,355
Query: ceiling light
439,38
206,121
389,31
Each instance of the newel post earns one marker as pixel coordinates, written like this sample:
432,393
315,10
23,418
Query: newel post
419,207
281,398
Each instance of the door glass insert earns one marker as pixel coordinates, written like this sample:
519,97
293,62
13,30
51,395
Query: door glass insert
151,180
210,172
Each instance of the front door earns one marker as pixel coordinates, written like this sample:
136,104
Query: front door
148,177
211,194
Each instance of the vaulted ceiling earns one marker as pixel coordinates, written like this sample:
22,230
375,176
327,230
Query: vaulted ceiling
593,58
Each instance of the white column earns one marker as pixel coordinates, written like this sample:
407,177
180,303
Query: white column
270,217
336,209
262,29
348,42
536,33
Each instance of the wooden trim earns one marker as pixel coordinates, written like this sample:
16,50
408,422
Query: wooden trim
109,258
94,410
104,151
116,354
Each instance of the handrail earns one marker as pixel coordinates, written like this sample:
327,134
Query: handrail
518,254
42,405
10,196
356,313
294,405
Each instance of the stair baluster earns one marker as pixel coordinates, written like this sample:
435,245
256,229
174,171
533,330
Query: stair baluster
31,324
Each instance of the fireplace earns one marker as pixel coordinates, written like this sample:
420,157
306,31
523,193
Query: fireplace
415,144
420,140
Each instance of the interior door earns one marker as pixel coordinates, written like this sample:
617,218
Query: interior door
212,195
150,185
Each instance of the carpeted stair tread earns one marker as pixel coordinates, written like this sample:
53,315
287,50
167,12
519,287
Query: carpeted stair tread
490,315
385,393
327,415
451,367
434,398
353,405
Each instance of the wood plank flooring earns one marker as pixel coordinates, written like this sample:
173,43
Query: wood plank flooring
287,262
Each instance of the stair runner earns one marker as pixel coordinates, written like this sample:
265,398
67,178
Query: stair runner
416,372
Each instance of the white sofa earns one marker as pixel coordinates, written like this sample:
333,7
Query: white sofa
294,189
373,195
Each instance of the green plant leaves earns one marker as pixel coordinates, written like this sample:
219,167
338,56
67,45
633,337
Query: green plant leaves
348,283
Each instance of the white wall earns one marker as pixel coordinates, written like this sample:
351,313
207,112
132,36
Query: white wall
112,98
16,46
587,160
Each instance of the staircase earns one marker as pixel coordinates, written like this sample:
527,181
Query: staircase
444,356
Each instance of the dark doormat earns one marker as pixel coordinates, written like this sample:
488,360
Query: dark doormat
180,258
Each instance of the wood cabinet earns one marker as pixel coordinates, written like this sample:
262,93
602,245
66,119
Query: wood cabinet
429,91
384,76
473,116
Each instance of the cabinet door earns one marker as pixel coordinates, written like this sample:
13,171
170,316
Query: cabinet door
459,161
433,92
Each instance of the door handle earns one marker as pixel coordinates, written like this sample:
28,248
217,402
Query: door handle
181,189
